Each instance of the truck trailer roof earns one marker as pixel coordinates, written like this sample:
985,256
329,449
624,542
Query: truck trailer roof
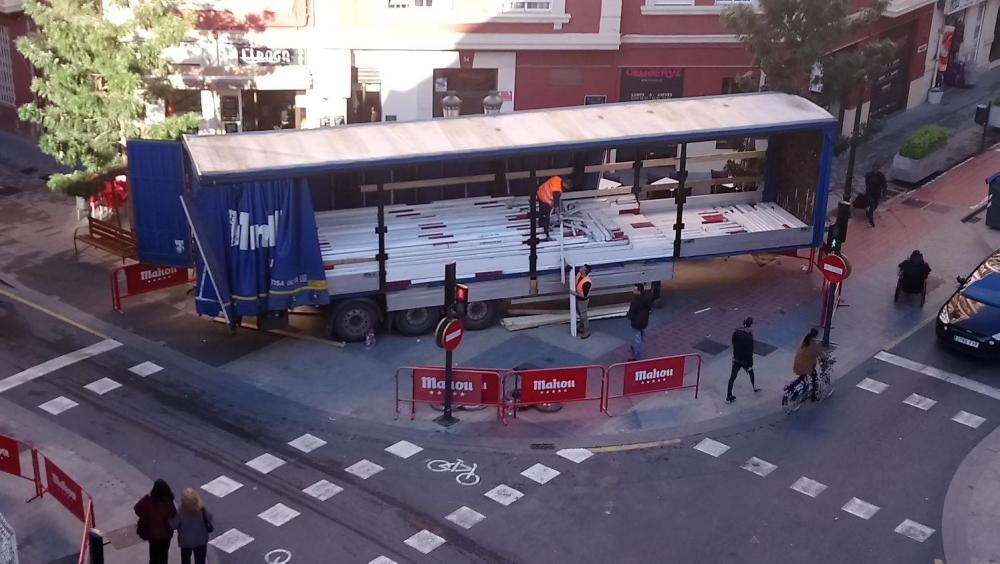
283,153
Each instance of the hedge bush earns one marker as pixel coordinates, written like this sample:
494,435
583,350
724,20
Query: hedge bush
924,142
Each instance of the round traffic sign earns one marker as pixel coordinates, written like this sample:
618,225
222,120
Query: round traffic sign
835,268
449,333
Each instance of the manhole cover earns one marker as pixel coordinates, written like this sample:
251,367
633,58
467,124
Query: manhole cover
939,208
9,190
914,203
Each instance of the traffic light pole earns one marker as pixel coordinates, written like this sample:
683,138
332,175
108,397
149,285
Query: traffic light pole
446,419
831,296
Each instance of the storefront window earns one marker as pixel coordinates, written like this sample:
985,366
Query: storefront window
470,85
179,102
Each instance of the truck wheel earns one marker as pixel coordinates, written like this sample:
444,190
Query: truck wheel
480,315
417,321
352,320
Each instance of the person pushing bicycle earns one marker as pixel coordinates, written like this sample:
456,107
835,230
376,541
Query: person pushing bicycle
806,359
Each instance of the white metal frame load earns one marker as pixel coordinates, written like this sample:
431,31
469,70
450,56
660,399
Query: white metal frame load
486,237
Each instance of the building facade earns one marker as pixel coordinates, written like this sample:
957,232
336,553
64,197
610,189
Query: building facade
15,71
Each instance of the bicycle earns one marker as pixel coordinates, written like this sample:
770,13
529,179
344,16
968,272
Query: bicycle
796,393
466,474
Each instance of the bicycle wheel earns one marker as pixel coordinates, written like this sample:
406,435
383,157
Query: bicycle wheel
469,478
439,465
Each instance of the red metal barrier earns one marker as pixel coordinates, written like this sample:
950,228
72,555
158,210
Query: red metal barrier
470,387
10,462
556,385
662,374
89,522
135,279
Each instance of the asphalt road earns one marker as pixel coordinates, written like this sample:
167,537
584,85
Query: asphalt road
671,503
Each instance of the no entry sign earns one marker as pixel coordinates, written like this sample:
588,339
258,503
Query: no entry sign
450,333
835,268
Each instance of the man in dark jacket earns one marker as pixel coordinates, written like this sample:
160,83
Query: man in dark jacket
638,315
875,186
742,357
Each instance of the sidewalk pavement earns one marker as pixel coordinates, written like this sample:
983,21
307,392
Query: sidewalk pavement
972,507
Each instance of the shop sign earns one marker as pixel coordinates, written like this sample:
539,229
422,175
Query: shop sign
251,55
957,5
651,83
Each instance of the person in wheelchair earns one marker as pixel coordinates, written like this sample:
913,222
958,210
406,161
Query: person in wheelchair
913,273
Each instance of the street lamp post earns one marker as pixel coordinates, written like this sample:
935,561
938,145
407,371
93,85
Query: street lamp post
451,105
492,103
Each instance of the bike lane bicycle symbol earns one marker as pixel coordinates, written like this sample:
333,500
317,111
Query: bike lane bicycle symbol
465,473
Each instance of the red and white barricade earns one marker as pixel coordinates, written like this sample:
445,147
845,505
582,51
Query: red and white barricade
135,279
57,483
555,385
470,387
668,373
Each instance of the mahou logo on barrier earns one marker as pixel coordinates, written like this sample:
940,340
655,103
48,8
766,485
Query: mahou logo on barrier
554,385
654,375
142,278
468,386
10,457
64,489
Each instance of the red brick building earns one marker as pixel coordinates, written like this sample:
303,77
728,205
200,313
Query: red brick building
15,72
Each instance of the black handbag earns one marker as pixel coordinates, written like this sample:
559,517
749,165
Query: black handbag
209,527
142,529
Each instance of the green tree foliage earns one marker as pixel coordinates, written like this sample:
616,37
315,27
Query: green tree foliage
95,75
787,37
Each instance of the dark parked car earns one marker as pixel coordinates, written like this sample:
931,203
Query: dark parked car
970,320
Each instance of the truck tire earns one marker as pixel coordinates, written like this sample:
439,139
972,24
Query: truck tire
351,320
417,321
481,315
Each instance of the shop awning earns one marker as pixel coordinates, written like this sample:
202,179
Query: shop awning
363,146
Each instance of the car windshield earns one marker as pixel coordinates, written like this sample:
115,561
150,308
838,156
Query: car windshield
981,289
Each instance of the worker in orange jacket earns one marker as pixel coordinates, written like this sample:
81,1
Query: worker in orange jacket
548,196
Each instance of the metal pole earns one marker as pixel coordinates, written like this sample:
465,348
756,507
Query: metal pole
380,201
533,239
831,295
572,302
95,541
679,200
450,280
637,173
849,181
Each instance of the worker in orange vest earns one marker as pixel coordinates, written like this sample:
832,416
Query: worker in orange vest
548,196
582,292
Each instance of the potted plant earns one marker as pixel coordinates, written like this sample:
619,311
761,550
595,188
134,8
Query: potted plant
994,120
921,155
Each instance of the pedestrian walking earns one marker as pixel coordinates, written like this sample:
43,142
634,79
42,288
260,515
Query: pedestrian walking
155,511
875,187
193,524
582,293
742,357
805,361
638,316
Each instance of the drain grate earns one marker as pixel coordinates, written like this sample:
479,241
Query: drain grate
974,219
914,202
543,446
939,208
29,170
763,349
709,346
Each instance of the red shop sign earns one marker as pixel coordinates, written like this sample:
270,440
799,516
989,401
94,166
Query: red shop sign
653,375
10,456
554,385
468,386
64,489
